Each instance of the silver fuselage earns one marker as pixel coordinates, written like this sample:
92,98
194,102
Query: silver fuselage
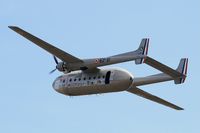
85,83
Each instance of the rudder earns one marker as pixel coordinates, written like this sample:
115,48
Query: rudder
182,68
142,50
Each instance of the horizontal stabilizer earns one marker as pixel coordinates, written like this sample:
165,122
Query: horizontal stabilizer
179,74
151,97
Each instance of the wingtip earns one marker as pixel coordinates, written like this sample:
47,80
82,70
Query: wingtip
17,29
179,108
12,27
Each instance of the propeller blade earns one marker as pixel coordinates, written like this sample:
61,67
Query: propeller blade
55,59
52,71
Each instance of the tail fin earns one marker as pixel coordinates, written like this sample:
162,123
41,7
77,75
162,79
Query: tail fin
142,50
182,68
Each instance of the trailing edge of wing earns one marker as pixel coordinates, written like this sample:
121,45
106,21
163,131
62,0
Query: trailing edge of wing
46,46
151,97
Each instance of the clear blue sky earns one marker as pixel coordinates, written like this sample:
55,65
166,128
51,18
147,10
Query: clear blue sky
88,28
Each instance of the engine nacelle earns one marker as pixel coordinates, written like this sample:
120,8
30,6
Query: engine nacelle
62,67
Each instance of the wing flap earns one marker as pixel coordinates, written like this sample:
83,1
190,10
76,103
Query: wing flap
151,97
46,46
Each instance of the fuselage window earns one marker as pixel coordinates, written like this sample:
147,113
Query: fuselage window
94,77
84,78
64,81
103,77
99,77
89,78
79,79
74,79
70,80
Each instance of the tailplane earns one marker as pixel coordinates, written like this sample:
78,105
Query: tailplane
178,75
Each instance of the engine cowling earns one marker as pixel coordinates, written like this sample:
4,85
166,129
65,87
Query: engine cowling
62,67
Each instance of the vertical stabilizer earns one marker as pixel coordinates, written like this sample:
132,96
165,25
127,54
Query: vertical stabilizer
182,68
142,50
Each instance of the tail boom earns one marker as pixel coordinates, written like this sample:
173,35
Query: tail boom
179,75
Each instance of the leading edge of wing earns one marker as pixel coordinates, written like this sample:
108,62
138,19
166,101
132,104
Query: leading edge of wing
46,46
151,97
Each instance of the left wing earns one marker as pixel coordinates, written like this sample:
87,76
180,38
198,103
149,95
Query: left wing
46,46
87,64
151,97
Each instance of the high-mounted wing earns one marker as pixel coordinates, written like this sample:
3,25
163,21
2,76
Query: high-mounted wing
46,46
151,97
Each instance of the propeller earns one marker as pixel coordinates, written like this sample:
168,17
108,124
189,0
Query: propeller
56,61
52,71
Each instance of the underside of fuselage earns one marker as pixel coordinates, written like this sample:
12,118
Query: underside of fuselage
83,83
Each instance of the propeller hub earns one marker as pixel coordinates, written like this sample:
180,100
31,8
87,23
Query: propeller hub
60,66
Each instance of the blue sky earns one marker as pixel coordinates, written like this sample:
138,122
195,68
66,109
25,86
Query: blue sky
101,28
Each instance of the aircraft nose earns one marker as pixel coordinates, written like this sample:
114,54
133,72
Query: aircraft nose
55,86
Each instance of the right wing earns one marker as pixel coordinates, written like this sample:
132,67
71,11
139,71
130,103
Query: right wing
151,97
46,46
